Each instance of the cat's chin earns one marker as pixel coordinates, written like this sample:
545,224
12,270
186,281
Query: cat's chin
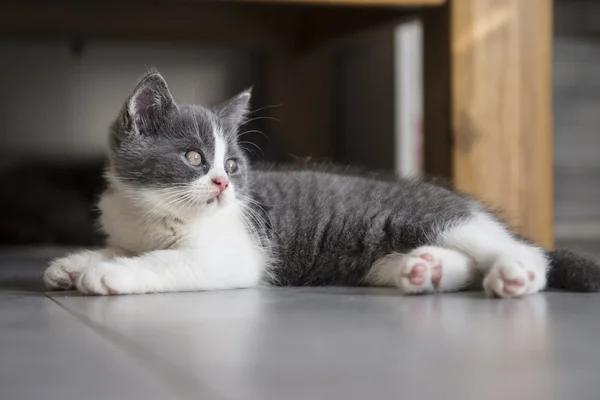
215,200
186,212
221,199
192,209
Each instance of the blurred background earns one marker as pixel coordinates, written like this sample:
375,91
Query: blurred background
63,82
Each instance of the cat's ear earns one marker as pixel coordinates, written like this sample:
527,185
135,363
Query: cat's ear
234,111
149,104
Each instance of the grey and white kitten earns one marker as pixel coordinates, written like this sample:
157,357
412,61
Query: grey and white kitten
185,211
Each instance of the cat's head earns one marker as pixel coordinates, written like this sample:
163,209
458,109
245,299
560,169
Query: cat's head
177,159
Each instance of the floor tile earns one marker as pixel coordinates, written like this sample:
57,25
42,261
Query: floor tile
46,353
285,343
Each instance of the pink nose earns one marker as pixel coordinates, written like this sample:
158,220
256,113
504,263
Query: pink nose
222,182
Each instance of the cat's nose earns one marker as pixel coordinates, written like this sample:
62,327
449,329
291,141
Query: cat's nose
222,182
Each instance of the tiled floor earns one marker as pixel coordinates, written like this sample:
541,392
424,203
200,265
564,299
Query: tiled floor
288,344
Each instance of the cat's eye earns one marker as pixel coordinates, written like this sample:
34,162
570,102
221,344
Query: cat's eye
231,166
194,158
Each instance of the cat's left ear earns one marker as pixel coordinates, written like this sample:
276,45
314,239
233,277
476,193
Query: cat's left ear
234,111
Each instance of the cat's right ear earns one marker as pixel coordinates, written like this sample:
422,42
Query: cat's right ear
149,104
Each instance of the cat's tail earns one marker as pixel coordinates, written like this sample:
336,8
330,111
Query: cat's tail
573,272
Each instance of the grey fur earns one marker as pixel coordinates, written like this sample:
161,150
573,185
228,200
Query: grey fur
326,226
150,137
330,227
572,271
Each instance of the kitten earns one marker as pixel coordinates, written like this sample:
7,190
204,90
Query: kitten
184,211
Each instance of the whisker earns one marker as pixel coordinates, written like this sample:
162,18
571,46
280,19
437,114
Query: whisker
262,117
259,206
242,143
264,108
252,131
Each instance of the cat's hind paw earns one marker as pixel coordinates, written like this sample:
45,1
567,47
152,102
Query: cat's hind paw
514,277
426,269
420,271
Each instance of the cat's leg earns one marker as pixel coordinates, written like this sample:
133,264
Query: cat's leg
174,271
427,269
63,272
511,267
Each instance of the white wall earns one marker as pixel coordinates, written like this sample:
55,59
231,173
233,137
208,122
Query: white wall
57,104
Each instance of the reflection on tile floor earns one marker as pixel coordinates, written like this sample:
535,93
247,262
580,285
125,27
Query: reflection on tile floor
291,343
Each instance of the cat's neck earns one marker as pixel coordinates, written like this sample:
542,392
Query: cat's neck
132,226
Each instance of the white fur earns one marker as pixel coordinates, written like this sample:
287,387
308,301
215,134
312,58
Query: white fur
503,259
455,269
160,243
219,159
212,252
64,271
480,246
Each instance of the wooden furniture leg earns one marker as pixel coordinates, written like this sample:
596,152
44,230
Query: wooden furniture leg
488,106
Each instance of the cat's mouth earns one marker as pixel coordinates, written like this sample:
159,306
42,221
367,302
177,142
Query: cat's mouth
218,198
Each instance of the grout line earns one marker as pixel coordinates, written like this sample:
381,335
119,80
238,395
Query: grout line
183,385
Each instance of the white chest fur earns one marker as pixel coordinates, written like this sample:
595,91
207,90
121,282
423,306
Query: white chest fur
133,230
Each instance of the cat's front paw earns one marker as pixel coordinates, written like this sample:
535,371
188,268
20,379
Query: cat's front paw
64,272
108,278
514,277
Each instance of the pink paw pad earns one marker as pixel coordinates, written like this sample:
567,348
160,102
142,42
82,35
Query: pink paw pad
436,271
417,274
512,286
427,257
73,276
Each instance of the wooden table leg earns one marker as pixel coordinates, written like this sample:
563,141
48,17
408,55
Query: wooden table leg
488,114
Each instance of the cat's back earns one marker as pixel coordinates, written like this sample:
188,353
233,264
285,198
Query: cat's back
332,186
